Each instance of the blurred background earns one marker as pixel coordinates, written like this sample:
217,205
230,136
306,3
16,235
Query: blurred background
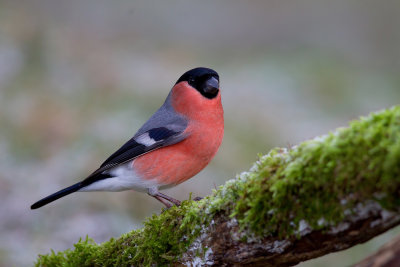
78,78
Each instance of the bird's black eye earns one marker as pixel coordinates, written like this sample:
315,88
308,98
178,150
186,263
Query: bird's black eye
204,80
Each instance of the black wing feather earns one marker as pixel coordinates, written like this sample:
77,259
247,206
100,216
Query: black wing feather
132,149
161,133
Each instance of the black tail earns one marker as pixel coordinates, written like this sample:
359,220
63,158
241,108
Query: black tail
57,195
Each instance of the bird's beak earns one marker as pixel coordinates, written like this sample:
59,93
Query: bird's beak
211,86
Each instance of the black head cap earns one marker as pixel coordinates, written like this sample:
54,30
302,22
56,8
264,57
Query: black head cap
204,80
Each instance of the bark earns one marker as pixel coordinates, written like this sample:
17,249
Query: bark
226,249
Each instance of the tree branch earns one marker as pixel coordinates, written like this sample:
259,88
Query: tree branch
295,204
367,222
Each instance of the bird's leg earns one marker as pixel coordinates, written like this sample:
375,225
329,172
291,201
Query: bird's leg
170,199
162,197
166,203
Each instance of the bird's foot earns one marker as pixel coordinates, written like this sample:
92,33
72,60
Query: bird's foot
166,203
166,200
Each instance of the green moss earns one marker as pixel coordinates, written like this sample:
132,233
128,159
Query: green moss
161,240
311,181
316,182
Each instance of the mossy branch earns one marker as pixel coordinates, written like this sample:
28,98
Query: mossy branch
294,204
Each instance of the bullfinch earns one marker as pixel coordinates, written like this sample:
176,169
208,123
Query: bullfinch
176,143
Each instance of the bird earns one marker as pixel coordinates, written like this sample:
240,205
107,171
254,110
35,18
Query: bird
176,143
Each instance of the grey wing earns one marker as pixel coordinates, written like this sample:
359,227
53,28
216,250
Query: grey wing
148,141
165,115
135,147
164,128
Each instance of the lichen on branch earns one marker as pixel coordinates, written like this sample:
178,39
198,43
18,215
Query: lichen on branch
316,185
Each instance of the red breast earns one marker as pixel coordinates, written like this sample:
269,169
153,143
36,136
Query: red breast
175,164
